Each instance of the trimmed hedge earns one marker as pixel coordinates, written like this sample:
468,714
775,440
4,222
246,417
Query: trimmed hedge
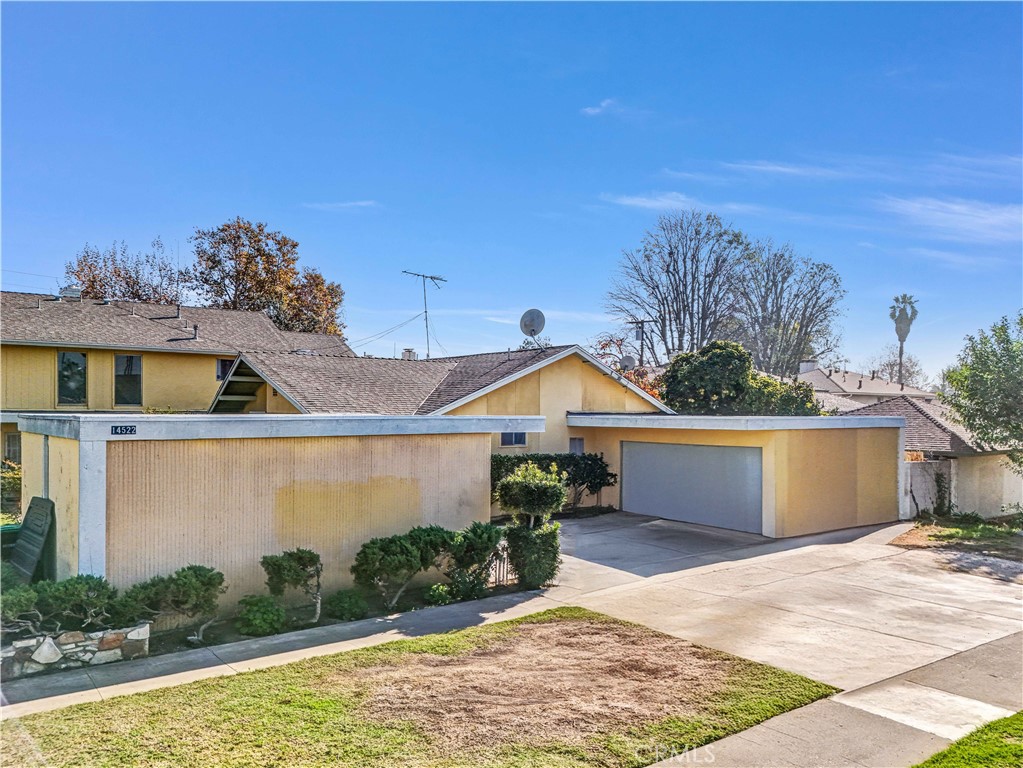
587,472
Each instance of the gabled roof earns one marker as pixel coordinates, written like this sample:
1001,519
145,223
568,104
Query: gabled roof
832,402
321,343
316,383
853,383
40,319
930,427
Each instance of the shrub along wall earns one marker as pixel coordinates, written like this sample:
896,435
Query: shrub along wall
584,473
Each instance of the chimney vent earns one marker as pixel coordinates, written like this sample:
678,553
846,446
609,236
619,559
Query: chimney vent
805,366
409,354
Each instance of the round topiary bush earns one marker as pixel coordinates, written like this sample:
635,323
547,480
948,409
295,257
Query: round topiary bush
534,553
260,615
347,605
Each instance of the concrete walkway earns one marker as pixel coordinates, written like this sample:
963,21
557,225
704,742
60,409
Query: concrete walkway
923,654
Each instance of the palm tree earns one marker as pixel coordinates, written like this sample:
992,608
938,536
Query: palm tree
903,312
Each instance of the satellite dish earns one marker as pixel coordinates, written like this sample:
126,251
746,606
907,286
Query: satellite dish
628,362
532,322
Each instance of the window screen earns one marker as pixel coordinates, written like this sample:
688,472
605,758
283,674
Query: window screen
223,368
12,447
575,445
513,438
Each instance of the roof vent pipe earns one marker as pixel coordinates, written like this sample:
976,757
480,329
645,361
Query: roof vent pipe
179,311
195,331
902,387
859,384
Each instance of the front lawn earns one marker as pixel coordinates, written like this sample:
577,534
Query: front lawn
566,687
996,745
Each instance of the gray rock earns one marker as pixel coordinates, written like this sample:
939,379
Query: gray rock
102,657
139,633
47,652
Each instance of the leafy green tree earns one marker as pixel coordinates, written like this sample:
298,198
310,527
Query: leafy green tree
719,379
985,388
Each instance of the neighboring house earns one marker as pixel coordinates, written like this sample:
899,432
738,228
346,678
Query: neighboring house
548,382
979,480
860,388
71,355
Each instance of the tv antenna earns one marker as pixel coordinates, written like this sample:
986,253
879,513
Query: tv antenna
436,280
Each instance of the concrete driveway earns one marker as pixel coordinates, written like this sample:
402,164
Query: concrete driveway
923,654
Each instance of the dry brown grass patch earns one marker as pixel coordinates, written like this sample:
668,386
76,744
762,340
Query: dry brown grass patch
557,682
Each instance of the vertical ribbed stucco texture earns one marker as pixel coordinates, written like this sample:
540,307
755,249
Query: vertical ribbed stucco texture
226,503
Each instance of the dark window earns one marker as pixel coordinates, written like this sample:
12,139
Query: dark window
223,368
513,438
71,378
12,447
127,379
575,445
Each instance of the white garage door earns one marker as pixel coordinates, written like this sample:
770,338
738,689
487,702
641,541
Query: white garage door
705,484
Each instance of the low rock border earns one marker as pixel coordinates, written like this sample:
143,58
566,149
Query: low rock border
69,650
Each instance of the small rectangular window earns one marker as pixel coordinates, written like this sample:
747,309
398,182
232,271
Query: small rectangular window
512,438
127,379
575,445
223,368
12,447
71,379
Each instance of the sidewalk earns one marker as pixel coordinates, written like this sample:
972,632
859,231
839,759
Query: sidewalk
47,692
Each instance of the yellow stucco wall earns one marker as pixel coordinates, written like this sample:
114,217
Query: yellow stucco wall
268,400
63,490
569,384
181,382
813,479
226,503
984,483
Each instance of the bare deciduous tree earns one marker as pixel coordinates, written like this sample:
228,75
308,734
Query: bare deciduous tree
786,307
887,363
681,278
121,276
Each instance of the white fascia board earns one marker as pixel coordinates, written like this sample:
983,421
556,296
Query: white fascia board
9,417
120,347
732,423
101,427
574,350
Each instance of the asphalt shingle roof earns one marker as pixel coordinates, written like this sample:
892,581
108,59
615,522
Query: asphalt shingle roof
344,384
853,383
929,426
39,318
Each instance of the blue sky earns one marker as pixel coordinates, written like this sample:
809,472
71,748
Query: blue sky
517,149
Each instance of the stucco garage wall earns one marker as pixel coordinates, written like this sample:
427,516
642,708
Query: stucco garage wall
813,480
983,484
226,503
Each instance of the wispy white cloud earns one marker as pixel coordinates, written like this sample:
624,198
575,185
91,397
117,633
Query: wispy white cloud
787,169
710,178
962,261
658,201
613,107
607,106
959,219
501,320
345,206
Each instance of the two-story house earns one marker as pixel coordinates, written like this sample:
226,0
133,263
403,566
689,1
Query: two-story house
65,354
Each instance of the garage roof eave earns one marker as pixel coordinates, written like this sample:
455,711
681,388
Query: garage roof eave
731,423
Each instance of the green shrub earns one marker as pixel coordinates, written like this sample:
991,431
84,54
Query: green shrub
531,492
347,605
260,615
10,477
9,577
534,553
18,610
298,568
388,564
472,554
586,472
79,603
438,594
192,592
